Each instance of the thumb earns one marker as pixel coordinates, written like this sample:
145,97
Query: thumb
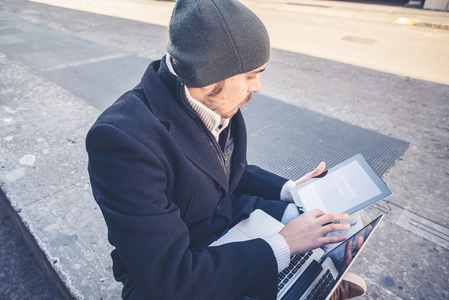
320,169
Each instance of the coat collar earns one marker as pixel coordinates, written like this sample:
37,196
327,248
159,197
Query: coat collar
165,98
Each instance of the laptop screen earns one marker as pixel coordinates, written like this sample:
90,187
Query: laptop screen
343,254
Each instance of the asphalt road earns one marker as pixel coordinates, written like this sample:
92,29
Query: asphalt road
20,275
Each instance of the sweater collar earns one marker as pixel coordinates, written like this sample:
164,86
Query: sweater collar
213,121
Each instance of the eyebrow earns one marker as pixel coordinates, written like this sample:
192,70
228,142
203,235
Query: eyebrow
258,71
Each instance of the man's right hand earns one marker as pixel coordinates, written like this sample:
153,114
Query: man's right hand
307,231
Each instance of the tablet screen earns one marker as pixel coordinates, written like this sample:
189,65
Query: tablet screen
347,187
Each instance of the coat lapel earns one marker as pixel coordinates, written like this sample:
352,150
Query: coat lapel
239,155
185,127
198,147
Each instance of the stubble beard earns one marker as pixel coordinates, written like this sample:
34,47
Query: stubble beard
214,102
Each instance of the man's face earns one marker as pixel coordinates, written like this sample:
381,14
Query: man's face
227,96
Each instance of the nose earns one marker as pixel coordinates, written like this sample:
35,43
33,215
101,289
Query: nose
256,85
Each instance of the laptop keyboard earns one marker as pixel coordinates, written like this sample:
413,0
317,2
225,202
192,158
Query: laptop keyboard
295,264
322,288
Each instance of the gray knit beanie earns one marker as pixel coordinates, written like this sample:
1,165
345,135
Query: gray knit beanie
211,40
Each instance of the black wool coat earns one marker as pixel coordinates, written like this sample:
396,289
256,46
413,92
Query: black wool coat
158,176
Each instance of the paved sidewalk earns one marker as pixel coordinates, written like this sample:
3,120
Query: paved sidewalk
60,67
365,35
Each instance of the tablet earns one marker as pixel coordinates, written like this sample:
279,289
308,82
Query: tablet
348,187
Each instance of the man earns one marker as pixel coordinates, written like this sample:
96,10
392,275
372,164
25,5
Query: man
167,163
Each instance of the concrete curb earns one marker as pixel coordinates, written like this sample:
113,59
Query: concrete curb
54,274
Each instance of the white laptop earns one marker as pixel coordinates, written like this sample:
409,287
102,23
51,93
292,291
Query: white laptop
312,275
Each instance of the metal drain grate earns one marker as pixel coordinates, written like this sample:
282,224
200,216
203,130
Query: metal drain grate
275,144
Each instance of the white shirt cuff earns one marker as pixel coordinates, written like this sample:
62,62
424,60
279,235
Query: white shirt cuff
280,249
286,195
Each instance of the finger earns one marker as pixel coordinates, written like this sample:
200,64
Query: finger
332,217
332,239
348,251
332,227
315,213
359,242
320,169
348,248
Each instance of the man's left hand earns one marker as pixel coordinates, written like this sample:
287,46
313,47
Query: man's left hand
320,169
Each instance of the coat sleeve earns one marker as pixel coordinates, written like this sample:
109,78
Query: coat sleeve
258,182
152,242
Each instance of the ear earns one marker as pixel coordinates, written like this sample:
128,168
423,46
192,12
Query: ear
199,93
